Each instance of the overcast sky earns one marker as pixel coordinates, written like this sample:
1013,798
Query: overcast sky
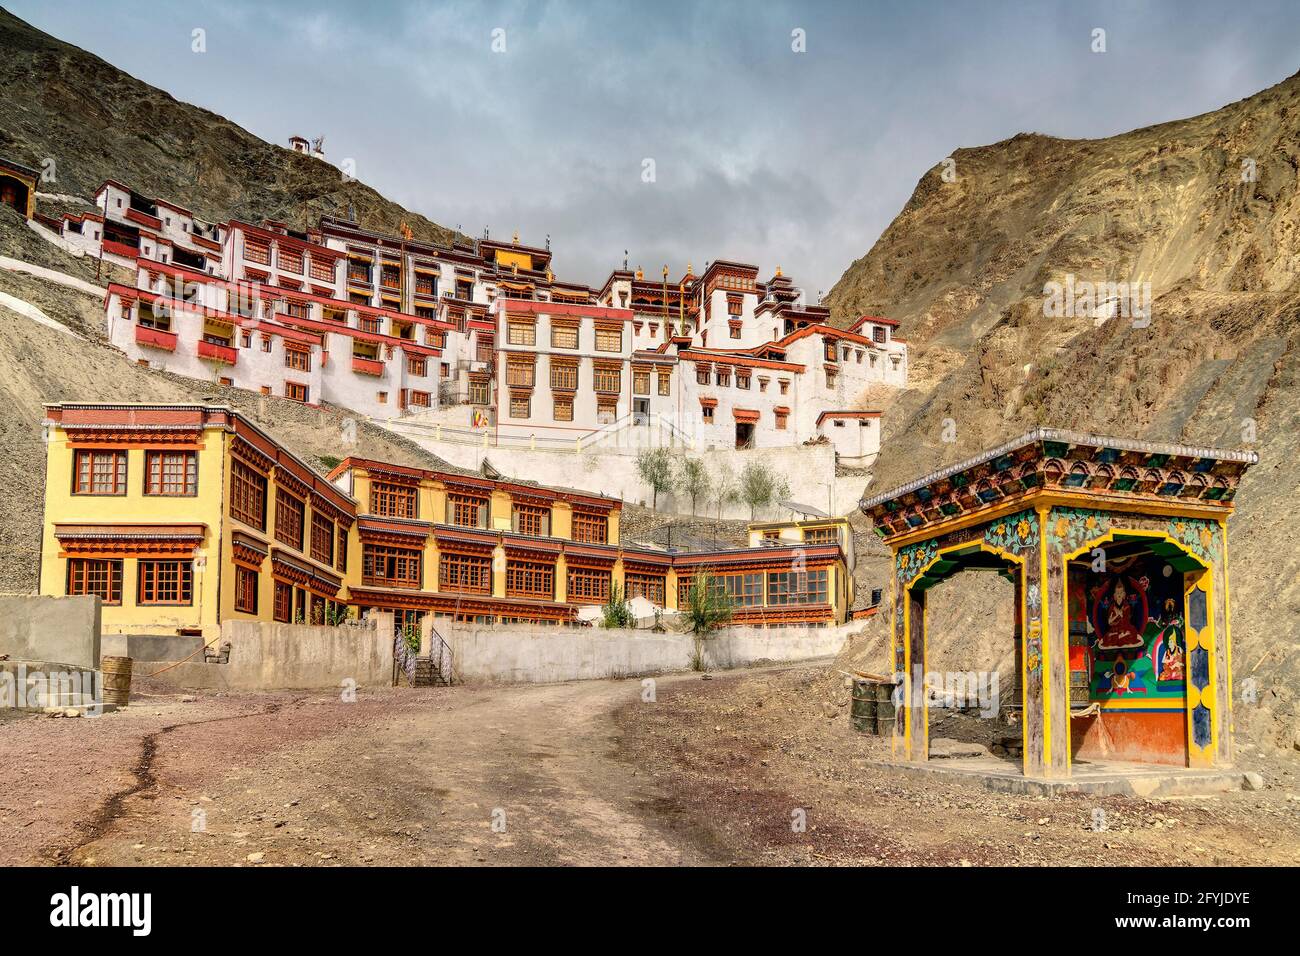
760,153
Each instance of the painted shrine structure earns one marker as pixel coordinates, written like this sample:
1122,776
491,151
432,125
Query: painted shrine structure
1117,554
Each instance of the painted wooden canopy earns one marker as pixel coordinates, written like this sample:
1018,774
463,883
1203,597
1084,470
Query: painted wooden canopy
1117,551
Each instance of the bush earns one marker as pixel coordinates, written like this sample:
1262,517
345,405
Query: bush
616,612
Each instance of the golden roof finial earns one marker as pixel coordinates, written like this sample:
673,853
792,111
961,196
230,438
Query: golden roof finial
778,272
690,269
516,240
639,274
665,271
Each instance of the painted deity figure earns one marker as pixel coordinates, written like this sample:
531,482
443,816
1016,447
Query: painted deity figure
1168,652
1119,617
1121,678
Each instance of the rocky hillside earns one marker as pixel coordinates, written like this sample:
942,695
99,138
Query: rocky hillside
96,122
1207,211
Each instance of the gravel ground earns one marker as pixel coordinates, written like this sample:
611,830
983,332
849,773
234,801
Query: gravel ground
709,772
749,750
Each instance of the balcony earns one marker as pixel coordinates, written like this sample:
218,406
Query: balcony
120,249
365,366
155,338
218,353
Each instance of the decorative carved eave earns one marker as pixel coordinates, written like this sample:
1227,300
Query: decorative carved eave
1049,465
394,531
289,568
248,551
130,540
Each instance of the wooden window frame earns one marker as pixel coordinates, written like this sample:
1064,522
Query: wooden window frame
389,499
298,359
290,518
282,602
530,579
465,573
520,373
570,335
564,375
322,538
562,408
85,575
406,565
531,520
150,581
296,392
605,375
603,335
590,527
652,587
521,332
584,585
458,508
118,461
246,585
248,488
156,485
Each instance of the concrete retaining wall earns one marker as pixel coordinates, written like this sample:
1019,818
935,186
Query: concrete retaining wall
269,656
150,647
61,630
806,468
527,654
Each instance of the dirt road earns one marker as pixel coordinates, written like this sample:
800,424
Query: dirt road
710,772
501,776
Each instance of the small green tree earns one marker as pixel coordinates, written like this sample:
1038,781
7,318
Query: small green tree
616,612
655,466
760,486
708,607
725,490
692,478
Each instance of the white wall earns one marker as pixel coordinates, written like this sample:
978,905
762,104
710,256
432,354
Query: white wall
524,654
807,469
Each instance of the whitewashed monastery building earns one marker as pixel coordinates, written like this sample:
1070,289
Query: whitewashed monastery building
485,338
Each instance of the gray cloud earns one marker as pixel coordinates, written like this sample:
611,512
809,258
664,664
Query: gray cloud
762,154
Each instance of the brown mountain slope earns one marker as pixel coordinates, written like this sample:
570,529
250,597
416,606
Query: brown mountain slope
97,123
964,267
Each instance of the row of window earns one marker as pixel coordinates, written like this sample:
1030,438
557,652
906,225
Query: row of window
721,376
521,407
394,500
747,590
248,498
166,473
157,582
521,372
564,335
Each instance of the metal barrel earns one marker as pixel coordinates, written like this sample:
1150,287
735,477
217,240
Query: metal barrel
117,680
862,712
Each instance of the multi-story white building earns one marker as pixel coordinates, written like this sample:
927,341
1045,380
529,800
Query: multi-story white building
484,336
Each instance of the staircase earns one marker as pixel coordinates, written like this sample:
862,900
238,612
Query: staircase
428,667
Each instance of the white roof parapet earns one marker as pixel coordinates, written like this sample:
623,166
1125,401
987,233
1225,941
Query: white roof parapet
1073,438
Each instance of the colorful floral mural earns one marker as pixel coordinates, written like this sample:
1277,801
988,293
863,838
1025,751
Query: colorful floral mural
913,558
1015,533
1069,528
1197,535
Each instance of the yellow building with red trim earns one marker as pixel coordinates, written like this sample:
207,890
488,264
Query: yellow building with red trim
182,516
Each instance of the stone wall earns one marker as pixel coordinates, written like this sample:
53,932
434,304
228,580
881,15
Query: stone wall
59,630
533,654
